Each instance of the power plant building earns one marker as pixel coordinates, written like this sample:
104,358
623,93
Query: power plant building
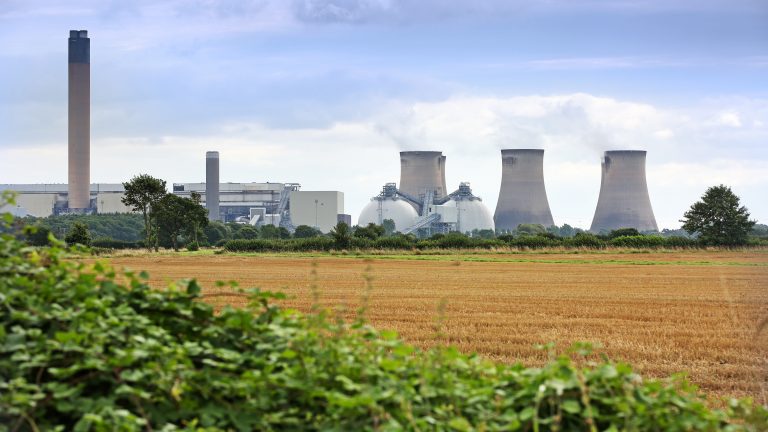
624,200
43,200
242,201
422,173
319,209
79,121
522,195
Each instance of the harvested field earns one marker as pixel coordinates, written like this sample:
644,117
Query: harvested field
662,312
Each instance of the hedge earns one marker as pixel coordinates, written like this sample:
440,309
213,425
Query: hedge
89,350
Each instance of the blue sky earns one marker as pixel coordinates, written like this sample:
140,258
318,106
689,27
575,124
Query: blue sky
326,92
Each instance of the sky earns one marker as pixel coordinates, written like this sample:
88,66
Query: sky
327,92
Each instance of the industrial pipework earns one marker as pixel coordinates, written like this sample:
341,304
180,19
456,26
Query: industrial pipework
624,200
522,196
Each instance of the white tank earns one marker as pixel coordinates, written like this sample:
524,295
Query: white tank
472,215
402,213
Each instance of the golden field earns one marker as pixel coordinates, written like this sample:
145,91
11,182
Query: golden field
663,312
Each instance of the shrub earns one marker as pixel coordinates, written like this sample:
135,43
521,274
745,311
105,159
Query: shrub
193,246
680,242
585,240
534,242
108,243
638,241
394,242
78,234
81,351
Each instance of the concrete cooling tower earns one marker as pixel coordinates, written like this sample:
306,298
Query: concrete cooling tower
624,200
79,120
212,184
421,171
522,197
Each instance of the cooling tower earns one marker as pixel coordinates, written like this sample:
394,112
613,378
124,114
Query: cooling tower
624,201
421,171
79,126
212,184
522,196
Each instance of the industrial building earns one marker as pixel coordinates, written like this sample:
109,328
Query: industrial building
43,200
241,202
319,209
421,205
522,196
624,200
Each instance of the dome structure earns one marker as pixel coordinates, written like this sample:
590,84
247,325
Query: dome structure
381,208
472,214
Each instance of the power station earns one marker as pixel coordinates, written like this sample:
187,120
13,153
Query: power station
624,200
79,121
421,205
522,196
212,185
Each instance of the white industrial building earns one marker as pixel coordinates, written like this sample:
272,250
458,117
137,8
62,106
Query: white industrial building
43,200
242,201
318,209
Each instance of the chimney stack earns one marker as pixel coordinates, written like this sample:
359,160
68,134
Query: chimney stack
212,185
79,121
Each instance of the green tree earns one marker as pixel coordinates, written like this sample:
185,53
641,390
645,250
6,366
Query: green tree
389,227
371,231
246,232
530,229
269,232
142,192
306,231
622,232
216,231
176,215
718,218
78,235
342,235
37,235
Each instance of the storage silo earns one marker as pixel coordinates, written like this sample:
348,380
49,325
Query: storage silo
522,196
422,171
624,200
212,185
388,205
471,213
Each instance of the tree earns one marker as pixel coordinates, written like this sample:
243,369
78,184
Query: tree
142,192
389,227
270,232
246,232
215,232
78,235
371,231
530,229
176,215
718,218
306,231
37,235
621,232
342,235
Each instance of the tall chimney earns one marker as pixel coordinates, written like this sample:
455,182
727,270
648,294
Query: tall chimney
522,196
421,171
79,127
212,185
624,200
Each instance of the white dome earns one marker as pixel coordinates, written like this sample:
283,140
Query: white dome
402,213
472,215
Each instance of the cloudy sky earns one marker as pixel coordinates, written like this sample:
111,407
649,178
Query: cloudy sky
326,92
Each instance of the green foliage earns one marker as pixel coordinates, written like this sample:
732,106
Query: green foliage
38,235
78,235
718,218
127,227
246,232
531,229
389,227
142,192
215,232
586,240
108,243
639,241
176,215
306,231
90,350
342,235
370,232
623,232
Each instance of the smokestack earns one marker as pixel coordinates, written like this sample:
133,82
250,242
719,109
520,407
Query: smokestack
79,127
212,185
522,196
421,171
624,200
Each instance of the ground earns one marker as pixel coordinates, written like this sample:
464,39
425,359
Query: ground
663,312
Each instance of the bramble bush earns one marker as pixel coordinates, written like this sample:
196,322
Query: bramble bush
85,349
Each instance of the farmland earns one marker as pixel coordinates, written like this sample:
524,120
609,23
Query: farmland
663,312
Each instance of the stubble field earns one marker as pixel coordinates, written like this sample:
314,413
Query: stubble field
698,312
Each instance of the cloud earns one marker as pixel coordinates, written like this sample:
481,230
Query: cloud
729,118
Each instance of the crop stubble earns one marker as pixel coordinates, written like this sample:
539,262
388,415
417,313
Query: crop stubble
662,319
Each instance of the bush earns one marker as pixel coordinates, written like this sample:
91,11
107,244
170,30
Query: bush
81,351
395,242
534,242
78,234
680,242
193,246
584,240
638,241
108,243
